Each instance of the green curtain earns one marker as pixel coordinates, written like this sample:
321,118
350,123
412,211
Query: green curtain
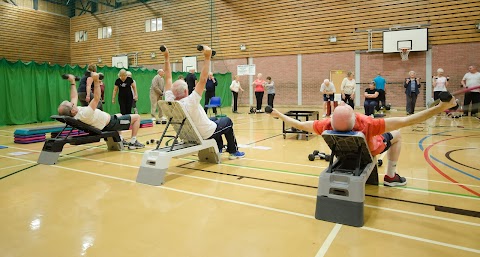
31,92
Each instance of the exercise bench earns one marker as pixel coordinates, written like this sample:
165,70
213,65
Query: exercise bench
341,187
54,146
156,162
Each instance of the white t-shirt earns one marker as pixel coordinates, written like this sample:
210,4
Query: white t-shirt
440,84
204,125
330,87
97,118
472,79
348,86
235,86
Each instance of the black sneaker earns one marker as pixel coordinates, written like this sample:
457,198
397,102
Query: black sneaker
136,145
395,181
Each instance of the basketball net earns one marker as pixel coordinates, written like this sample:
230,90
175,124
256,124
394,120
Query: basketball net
404,53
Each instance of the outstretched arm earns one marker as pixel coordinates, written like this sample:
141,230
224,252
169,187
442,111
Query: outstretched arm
302,125
207,53
73,90
167,70
97,91
395,123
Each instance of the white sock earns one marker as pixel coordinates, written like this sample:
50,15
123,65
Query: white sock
391,168
133,140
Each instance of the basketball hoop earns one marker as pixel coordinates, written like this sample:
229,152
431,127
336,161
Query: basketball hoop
404,51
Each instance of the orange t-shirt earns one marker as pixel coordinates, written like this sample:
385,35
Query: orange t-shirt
259,85
370,127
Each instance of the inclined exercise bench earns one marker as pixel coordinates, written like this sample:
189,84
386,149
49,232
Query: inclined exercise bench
155,162
54,146
341,187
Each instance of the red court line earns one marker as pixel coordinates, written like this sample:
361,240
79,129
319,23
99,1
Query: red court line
427,158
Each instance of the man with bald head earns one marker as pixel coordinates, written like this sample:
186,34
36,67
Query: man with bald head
156,93
381,134
99,119
207,127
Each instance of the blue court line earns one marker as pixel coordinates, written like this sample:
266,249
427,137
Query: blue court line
420,145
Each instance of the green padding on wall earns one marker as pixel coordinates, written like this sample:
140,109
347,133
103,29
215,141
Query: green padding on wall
31,92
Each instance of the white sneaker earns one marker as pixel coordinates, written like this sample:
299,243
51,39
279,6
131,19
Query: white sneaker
323,116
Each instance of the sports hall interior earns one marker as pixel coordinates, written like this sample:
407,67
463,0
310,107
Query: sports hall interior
90,204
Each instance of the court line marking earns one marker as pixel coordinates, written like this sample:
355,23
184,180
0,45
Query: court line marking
261,169
326,244
4,168
279,191
277,210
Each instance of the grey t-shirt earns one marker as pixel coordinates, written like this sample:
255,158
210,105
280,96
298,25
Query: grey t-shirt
270,87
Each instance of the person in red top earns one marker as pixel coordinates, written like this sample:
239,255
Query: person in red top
259,85
381,134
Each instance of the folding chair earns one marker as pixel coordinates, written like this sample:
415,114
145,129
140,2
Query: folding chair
215,102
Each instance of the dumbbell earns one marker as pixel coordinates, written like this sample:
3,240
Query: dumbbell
101,76
388,106
380,162
163,48
152,140
200,48
65,76
268,109
317,154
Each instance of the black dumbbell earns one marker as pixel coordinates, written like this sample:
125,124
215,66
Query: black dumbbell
445,96
388,106
163,48
317,154
380,162
268,109
200,48
148,142
101,76
152,140
65,76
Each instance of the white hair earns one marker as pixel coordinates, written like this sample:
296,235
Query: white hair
411,72
129,74
440,70
326,81
178,88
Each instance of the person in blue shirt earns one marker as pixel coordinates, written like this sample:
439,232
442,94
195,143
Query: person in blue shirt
380,84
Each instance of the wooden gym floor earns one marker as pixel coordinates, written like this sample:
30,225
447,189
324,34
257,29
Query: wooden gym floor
263,205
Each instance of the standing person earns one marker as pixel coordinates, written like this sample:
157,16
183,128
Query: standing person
210,91
208,128
439,84
85,86
412,85
380,134
471,79
270,87
371,95
348,89
259,85
134,103
191,80
99,119
235,88
123,86
380,84
328,90
156,93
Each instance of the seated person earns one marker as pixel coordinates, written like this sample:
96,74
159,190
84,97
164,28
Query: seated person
328,90
371,95
380,134
208,128
96,118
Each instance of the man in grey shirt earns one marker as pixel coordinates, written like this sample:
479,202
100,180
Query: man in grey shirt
156,93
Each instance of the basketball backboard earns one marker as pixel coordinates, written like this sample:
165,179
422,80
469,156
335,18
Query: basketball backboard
415,39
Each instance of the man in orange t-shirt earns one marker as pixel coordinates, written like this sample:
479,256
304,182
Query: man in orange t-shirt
381,134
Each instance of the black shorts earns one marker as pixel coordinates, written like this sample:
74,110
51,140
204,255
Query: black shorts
118,123
328,97
387,140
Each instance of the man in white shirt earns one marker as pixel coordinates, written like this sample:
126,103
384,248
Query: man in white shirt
471,79
328,90
208,128
96,118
